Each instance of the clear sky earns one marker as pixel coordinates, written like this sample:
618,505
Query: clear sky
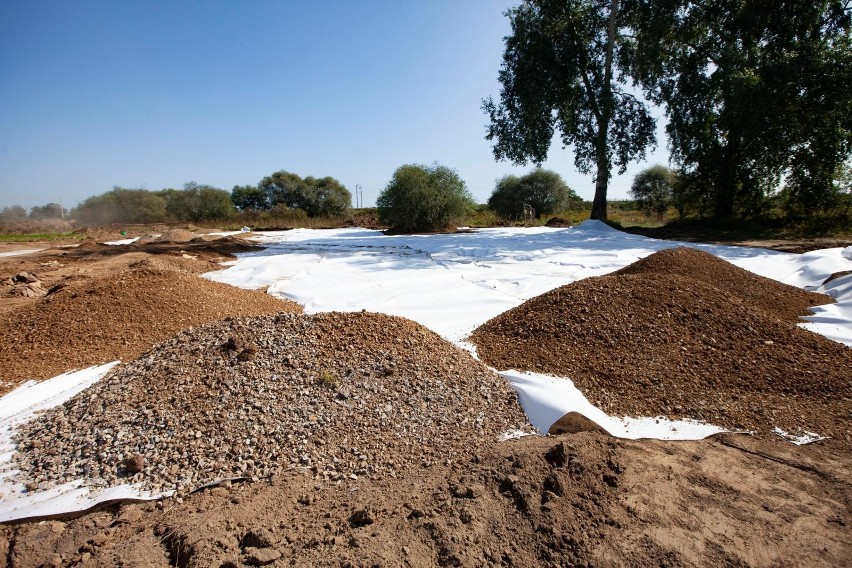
154,94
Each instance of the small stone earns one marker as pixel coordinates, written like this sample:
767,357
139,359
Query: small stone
361,517
134,464
258,538
261,556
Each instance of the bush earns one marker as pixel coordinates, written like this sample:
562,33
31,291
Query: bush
198,202
423,198
653,190
316,197
543,190
122,206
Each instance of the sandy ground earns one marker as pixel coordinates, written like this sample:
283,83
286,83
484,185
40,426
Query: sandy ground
581,499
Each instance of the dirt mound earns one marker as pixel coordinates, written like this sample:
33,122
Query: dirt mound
346,395
177,235
579,500
89,322
651,343
776,299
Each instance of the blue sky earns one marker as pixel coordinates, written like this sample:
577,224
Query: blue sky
154,94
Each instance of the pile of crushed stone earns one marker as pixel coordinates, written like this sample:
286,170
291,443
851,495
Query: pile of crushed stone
684,334
345,395
88,322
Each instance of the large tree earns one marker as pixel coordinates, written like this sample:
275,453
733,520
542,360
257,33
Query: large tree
753,90
563,69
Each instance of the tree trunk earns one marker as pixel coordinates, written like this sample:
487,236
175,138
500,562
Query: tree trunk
602,152
601,183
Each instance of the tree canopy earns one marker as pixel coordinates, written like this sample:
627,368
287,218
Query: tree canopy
752,91
423,198
122,205
544,190
653,189
198,202
564,69
315,196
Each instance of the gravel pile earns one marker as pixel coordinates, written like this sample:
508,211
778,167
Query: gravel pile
345,395
85,323
776,299
660,338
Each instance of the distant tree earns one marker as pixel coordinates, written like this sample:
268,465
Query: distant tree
328,197
423,198
12,214
805,197
49,211
653,189
544,190
285,188
753,91
316,197
246,197
563,70
198,202
122,206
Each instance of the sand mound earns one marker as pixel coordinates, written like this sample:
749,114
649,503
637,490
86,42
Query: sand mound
344,394
91,322
777,299
177,235
656,342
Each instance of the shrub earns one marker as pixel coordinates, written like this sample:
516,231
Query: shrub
316,197
653,190
423,198
544,190
122,206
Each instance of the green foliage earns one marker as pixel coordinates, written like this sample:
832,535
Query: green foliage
317,197
30,237
801,198
424,198
751,93
198,202
245,197
122,206
564,69
49,211
12,214
544,190
653,189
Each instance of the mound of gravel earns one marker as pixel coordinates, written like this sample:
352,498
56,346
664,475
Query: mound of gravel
345,395
654,341
776,299
91,322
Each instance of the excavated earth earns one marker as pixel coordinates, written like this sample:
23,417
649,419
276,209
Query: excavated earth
343,394
688,335
366,440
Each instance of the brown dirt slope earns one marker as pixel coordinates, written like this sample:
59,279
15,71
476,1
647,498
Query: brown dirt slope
776,299
119,317
655,342
348,395
581,500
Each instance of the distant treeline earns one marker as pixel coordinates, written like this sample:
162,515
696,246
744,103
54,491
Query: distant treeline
429,197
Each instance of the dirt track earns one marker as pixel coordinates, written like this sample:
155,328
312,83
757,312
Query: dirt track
573,500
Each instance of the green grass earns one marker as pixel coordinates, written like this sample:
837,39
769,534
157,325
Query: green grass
26,237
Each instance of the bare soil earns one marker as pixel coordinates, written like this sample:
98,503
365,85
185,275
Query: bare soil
686,334
580,499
